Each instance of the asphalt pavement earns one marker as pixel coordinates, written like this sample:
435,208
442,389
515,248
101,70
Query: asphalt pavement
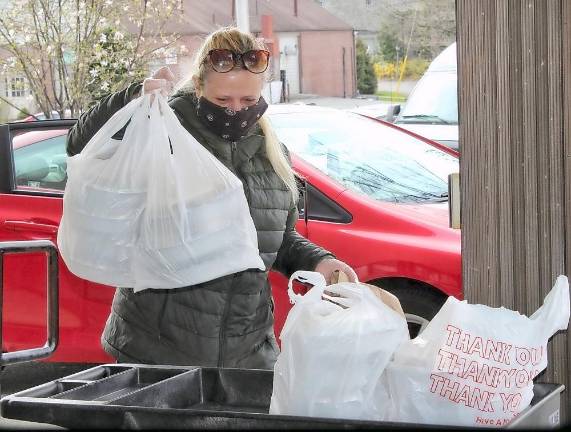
336,102
8,424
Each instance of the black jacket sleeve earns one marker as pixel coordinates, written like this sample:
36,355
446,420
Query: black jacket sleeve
296,252
91,121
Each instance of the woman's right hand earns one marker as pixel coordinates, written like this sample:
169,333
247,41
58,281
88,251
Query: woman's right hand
162,80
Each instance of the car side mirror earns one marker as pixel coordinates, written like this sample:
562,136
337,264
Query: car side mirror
392,112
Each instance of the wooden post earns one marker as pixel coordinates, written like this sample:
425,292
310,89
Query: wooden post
514,86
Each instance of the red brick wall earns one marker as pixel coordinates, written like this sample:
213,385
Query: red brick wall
321,59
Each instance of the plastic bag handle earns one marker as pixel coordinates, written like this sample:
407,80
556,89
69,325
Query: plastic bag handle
314,278
119,120
555,311
171,120
175,128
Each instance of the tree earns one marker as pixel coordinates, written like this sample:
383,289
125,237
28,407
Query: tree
436,27
366,79
424,27
388,43
61,47
110,65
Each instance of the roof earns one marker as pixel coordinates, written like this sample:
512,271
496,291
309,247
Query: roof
310,16
363,16
202,17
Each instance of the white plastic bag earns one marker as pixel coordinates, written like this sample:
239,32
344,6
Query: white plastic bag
155,210
473,365
332,356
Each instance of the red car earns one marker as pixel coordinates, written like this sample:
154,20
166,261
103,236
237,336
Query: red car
42,116
373,194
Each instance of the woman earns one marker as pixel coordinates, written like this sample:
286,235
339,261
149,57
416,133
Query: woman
226,322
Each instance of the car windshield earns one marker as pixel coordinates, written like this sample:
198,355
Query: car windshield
366,156
435,100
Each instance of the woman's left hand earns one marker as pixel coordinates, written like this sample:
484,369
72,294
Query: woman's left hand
328,266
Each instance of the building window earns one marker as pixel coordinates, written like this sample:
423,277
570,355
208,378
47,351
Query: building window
16,87
368,2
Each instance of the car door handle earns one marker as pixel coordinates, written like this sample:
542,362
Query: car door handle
50,251
31,226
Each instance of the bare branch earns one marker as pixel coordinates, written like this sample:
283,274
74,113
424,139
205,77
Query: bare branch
54,44
23,111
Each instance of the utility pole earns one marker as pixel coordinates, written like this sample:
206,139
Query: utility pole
242,15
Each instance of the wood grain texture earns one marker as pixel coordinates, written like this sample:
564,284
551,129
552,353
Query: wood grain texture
514,63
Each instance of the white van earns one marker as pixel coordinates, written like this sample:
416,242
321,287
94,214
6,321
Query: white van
431,110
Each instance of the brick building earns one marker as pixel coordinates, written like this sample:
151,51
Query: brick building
313,47
365,16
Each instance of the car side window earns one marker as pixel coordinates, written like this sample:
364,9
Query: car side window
40,163
321,207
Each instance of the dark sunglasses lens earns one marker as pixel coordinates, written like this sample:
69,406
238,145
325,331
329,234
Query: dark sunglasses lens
256,61
221,60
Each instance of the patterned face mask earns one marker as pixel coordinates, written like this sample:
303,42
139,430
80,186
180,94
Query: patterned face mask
225,122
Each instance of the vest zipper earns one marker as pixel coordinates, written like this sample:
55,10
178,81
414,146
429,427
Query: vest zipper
233,148
222,333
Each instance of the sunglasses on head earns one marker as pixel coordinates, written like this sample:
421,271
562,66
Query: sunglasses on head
224,60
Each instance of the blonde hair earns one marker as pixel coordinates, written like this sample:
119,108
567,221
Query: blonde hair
233,39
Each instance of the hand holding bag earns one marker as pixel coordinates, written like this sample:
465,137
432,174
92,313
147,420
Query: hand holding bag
155,210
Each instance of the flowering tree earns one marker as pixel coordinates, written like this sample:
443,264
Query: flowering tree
71,51
110,67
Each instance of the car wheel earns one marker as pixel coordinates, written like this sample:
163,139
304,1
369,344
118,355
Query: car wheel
420,302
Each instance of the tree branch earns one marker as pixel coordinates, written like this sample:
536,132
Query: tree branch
18,108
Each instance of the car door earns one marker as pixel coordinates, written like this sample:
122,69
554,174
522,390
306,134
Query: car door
32,181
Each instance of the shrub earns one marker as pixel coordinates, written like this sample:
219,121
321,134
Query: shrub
414,69
366,80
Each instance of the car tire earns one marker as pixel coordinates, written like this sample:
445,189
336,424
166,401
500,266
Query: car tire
420,302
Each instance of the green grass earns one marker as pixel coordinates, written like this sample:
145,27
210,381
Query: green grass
389,96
